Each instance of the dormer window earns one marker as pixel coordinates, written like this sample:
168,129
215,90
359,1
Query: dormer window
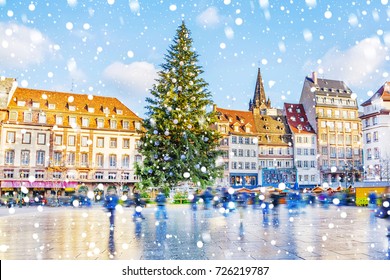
119,112
91,110
298,110
290,109
21,103
137,125
72,108
236,127
299,127
293,118
106,110
302,119
35,104
113,124
52,106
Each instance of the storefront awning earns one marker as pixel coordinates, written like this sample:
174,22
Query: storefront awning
37,184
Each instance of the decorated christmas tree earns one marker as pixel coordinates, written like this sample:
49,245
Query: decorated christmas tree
178,142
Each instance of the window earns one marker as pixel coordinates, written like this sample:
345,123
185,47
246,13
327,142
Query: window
58,140
52,106
312,164
39,174
234,152
84,159
329,113
113,142
375,120
99,175
10,136
113,124
240,140
345,114
13,116
376,136
368,137
84,122
26,138
83,175
369,154
84,141
125,161
247,165
125,124
9,157
112,159
234,165
253,165
240,152
23,174
40,157
100,123
99,160
57,175
247,153
41,139
138,158
137,125
125,176
27,117
25,157
71,140
299,151
71,158
126,143
340,152
234,139
321,112
240,165
271,151
42,118
324,151
332,152
72,108
100,142
57,158
306,152
59,120
72,121
8,173
376,153
111,175
91,110
312,152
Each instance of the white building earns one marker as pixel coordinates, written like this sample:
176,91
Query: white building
305,145
376,134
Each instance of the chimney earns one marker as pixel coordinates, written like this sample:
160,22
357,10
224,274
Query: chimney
314,77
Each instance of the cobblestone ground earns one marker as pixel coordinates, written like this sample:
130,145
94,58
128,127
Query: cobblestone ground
345,233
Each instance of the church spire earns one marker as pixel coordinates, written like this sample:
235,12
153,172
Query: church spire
259,98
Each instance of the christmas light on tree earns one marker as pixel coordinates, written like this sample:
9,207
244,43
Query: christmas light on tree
178,143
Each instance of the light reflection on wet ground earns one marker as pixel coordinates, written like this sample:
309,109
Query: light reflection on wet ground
345,233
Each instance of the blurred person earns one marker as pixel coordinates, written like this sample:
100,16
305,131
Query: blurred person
194,198
139,203
207,197
372,201
161,208
110,203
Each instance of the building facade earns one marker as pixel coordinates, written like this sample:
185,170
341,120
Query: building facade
240,148
305,145
61,143
332,110
276,162
376,132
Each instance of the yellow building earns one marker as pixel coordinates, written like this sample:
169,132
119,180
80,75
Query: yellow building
58,142
332,110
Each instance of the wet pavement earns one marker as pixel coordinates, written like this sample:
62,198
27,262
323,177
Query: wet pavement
315,233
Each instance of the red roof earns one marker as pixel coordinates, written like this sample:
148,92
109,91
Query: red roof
297,119
242,119
383,92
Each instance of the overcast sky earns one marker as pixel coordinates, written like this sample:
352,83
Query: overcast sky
115,47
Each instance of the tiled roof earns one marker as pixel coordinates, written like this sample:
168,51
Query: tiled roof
242,119
62,101
273,130
383,93
329,87
297,119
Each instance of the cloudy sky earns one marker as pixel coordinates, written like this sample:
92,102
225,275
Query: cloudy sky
115,47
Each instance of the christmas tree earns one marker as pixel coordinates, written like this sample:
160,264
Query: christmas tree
178,142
